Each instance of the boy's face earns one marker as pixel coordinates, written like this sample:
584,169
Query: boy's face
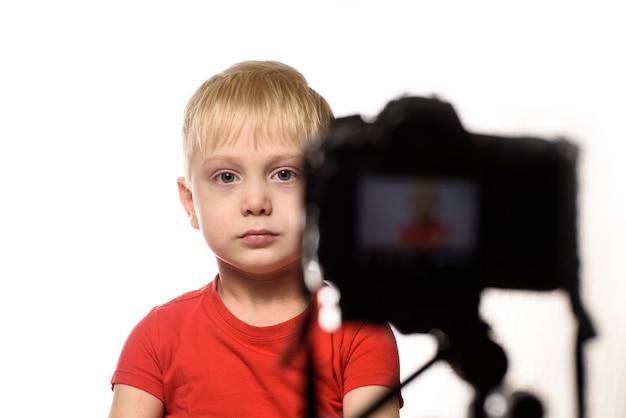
247,202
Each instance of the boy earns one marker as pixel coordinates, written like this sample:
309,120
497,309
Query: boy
239,346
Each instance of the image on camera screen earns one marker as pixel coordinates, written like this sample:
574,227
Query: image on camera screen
417,214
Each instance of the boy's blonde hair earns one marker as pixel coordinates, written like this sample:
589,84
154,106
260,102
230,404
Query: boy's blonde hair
267,96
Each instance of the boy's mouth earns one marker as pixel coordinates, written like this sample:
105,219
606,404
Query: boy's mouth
258,236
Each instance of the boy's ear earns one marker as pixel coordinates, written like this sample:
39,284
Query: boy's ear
186,198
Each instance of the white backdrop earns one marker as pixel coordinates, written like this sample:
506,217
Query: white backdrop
91,232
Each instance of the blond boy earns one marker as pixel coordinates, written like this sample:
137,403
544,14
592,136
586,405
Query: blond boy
239,346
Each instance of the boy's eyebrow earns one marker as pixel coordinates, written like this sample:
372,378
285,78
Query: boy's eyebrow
234,157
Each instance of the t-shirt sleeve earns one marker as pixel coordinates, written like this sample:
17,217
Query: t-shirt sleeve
373,358
139,364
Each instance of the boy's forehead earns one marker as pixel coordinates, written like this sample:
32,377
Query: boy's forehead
256,138
256,146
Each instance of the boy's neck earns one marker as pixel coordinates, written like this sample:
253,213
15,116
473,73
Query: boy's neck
263,300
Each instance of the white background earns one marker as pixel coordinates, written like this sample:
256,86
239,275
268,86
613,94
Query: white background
91,232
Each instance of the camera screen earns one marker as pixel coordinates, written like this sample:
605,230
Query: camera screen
417,214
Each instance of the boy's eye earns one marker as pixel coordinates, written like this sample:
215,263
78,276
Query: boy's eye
226,177
284,175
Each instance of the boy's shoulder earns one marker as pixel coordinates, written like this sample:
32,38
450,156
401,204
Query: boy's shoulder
187,300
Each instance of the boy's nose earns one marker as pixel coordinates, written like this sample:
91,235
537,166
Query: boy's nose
256,201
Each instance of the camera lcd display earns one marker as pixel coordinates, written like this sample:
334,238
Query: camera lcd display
417,214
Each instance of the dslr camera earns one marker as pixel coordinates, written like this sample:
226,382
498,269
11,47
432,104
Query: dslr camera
411,217
410,214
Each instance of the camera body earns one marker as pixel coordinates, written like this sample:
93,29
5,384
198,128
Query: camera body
412,216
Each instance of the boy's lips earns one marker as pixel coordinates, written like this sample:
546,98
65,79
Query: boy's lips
258,236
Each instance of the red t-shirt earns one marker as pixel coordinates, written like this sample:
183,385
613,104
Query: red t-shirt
200,360
426,235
